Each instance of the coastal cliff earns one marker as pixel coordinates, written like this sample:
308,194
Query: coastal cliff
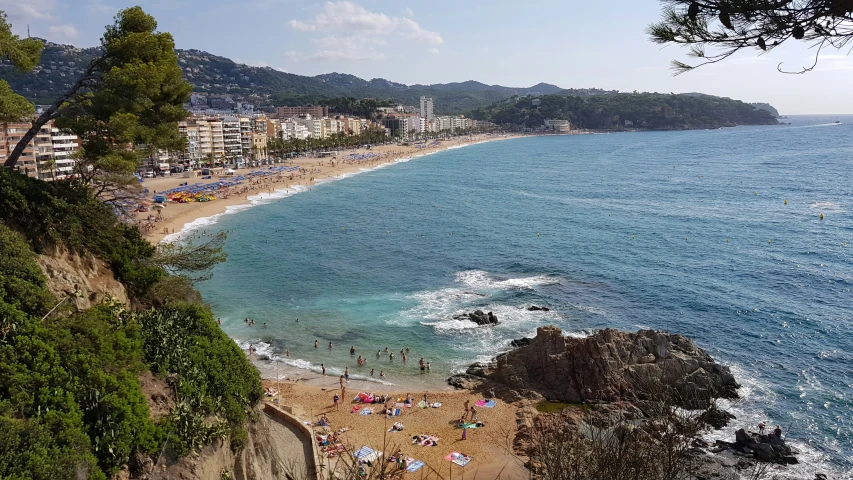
83,278
609,366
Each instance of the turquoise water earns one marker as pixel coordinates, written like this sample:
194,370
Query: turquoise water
683,231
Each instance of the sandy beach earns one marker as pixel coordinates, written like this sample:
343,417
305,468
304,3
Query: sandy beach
488,445
172,219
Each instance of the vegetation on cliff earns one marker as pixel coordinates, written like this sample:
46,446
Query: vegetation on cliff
645,111
70,398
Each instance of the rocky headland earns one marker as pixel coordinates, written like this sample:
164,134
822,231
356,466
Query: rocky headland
644,385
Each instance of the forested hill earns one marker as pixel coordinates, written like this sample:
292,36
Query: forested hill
645,111
61,65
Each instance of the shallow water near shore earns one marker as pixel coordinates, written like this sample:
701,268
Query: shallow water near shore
682,231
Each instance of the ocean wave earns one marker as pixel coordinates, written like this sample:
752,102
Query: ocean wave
826,206
481,279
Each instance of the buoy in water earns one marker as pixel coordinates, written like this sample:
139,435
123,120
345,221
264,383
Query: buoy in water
632,237
755,193
786,201
538,234
387,231
821,216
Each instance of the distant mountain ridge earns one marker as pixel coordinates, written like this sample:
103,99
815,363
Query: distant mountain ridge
262,86
61,65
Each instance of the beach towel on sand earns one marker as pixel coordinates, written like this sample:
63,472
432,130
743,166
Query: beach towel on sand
366,411
415,466
458,458
423,404
486,403
355,409
363,453
436,405
396,412
469,425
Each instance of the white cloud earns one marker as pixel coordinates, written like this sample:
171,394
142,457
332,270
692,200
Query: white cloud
433,51
408,12
353,32
62,33
415,32
350,48
100,8
26,11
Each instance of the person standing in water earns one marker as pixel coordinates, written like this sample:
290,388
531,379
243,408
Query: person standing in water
346,374
378,353
323,367
371,372
330,345
315,343
352,350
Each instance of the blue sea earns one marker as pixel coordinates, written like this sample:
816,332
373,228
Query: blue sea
713,234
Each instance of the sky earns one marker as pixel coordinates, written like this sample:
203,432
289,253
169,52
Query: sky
569,43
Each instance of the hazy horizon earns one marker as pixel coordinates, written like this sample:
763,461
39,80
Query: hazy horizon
571,46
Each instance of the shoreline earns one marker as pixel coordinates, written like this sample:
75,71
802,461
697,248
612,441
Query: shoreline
180,219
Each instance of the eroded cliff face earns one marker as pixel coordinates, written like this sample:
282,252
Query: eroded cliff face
608,366
85,279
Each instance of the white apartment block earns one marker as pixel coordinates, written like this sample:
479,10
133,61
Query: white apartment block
426,108
232,139
64,146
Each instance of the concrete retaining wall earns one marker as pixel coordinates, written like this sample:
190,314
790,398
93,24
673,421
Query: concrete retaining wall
318,472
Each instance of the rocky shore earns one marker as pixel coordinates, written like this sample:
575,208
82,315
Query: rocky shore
656,388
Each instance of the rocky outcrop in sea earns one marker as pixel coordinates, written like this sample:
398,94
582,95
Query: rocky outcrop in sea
609,366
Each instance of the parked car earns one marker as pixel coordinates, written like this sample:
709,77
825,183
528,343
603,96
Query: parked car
149,174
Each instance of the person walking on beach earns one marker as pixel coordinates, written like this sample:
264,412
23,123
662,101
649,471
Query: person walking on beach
473,414
323,367
342,381
337,400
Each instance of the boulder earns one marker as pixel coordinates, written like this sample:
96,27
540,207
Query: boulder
742,438
520,342
534,308
716,417
479,317
611,366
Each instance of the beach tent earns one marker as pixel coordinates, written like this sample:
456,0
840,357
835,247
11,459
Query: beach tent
367,454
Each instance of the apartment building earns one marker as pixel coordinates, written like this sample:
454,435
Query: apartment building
245,137
10,134
233,143
64,145
313,110
426,109
43,147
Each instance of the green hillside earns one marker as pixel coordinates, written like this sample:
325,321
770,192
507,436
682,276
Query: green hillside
262,86
615,111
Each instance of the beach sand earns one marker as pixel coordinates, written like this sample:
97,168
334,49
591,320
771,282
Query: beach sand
488,446
176,216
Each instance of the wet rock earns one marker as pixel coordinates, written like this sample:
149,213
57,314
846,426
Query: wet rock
534,308
479,317
520,342
716,417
